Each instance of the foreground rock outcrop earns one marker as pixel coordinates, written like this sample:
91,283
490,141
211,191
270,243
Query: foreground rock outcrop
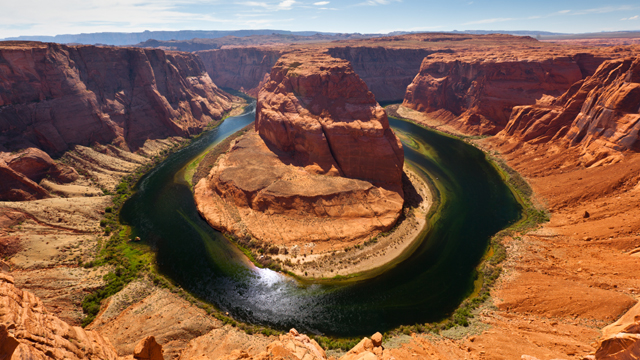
29,331
54,96
600,115
621,340
322,165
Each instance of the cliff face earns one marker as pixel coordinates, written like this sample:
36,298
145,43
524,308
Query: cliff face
317,108
322,166
477,95
386,71
54,96
601,115
240,69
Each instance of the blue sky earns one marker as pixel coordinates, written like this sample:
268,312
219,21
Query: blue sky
46,17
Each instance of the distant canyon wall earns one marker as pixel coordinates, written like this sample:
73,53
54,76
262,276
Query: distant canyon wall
386,71
54,96
240,69
475,93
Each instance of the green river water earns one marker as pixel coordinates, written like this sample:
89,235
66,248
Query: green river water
431,281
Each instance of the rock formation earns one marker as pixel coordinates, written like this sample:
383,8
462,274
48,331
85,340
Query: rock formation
316,108
600,114
28,331
54,96
476,95
23,170
323,164
621,340
148,349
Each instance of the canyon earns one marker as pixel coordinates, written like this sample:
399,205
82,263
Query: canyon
565,117
56,97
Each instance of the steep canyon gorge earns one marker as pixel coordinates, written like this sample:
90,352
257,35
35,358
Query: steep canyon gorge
75,120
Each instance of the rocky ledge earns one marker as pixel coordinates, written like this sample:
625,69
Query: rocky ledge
322,165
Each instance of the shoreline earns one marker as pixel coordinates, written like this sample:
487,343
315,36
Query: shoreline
384,250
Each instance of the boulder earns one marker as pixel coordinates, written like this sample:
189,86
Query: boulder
367,349
148,349
621,340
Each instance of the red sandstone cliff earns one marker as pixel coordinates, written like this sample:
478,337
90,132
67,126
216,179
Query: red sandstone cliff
600,115
53,96
322,166
475,93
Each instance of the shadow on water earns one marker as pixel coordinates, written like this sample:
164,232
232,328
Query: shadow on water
428,285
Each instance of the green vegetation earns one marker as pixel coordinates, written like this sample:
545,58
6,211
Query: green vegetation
331,343
127,260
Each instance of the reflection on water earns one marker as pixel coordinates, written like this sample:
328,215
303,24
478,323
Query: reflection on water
429,284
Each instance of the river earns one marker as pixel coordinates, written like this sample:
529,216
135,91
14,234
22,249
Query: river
474,203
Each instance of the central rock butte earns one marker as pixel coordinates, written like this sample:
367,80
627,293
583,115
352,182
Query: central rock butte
321,166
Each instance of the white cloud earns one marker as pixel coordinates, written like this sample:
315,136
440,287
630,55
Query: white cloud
604,10
286,4
320,3
76,16
631,18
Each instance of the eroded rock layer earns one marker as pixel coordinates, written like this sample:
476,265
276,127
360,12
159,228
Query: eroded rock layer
54,96
322,164
476,94
601,115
